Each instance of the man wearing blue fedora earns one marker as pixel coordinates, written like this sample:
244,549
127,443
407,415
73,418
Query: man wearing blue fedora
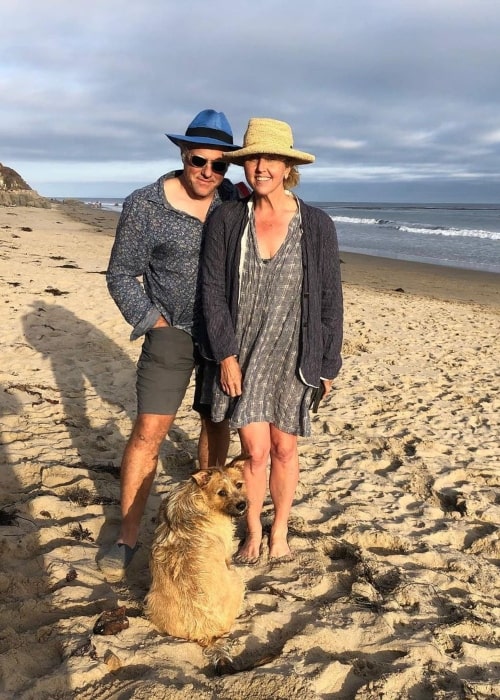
159,238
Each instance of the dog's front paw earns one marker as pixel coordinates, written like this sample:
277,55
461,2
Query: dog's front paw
220,659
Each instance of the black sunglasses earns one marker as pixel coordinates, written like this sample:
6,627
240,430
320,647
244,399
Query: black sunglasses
218,166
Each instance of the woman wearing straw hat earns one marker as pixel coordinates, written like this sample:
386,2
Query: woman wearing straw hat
272,302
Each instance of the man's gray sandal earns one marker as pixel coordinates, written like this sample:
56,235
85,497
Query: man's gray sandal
116,559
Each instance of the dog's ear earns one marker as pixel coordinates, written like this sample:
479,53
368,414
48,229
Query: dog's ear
239,461
202,477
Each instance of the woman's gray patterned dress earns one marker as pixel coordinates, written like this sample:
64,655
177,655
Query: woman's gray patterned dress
267,330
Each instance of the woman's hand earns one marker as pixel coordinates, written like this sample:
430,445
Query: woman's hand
231,377
327,387
319,394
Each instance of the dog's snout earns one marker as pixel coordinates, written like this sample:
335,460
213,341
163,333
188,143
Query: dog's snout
241,506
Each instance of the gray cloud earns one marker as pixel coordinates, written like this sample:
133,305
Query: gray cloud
380,90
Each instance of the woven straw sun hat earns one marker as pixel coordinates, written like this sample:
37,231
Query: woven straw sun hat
268,136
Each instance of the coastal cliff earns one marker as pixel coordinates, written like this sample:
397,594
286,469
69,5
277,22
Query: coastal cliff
14,191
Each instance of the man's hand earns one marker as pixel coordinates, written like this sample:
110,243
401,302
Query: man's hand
231,377
161,323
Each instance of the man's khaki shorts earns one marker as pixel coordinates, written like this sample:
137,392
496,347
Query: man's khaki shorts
164,371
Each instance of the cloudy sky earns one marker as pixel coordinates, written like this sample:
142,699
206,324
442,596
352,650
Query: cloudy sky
398,99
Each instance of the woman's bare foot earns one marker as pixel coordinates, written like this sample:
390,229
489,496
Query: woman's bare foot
278,546
249,552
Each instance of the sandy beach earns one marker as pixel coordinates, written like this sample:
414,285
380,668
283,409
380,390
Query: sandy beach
394,590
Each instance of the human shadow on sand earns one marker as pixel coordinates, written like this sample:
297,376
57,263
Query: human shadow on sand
96,383
9,406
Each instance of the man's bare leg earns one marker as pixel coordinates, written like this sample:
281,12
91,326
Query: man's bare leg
213,444
138,470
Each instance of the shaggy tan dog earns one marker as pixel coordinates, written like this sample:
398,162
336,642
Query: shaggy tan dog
195,593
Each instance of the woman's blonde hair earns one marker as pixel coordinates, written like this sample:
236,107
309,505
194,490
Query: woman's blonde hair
293,178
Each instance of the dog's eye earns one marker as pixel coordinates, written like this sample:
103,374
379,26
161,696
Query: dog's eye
222,493
239,485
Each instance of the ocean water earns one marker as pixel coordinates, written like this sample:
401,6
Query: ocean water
462,236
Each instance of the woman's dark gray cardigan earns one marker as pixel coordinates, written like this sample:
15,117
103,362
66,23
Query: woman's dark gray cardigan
322,309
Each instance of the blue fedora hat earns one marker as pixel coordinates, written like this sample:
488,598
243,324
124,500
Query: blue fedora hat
208,128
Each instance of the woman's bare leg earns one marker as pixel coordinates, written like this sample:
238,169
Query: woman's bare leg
283,482
255,442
